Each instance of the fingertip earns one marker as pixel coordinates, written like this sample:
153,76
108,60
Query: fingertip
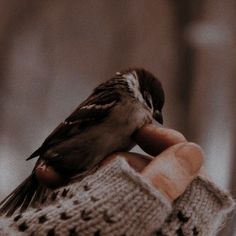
190,155
153,139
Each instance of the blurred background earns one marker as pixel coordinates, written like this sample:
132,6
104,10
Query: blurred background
53,53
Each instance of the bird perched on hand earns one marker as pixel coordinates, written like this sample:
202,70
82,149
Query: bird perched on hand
104,123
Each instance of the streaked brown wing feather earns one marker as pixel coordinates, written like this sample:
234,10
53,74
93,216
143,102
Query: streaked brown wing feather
91,111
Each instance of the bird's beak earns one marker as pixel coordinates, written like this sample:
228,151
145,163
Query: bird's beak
158,116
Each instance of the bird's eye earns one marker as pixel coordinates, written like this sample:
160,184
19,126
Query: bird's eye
148,99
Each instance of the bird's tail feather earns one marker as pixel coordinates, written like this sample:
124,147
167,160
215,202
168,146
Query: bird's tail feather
28,192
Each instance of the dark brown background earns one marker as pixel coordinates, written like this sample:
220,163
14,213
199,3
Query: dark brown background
52,53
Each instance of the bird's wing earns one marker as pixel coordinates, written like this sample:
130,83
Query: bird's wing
91,112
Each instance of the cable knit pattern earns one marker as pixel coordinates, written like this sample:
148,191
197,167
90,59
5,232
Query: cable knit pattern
118,201
199,211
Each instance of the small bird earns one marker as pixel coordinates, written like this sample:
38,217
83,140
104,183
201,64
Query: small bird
104,123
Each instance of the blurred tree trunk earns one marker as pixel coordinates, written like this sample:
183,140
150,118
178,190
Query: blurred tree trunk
212,37
186,12
11,12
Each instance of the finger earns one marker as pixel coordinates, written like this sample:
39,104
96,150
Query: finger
154,140
173,170
135,160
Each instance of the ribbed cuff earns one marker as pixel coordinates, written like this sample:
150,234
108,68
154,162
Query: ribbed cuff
199,211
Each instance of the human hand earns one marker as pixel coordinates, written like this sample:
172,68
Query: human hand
175,164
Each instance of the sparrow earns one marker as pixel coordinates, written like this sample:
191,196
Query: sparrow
103,124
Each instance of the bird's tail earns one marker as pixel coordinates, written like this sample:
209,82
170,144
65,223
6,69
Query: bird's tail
27,193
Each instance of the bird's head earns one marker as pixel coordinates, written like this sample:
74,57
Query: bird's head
151,90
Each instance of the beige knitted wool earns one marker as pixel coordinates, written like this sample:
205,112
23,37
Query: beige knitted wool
113,201
118,201
199,211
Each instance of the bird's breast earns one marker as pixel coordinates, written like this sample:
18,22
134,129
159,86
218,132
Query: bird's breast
114,134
